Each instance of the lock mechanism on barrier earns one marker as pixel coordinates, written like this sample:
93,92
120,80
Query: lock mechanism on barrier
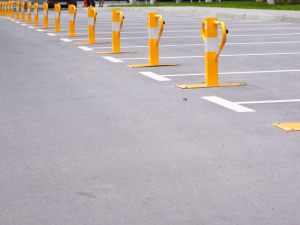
29,12
57,11
155,30
117,25
72,18
45,11
36,13
213,49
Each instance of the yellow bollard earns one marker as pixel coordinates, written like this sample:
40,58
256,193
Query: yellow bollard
7,9
23,11
29,12
1,9
72,18
212,52
155,29
117,24
17,10
12,9
57,10
36,13
45,9
92,15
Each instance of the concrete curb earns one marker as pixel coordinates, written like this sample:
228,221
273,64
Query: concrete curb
230,13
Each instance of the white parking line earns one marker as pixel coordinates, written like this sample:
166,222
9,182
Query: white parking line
51,34
30,27
184,45
233,55
154,76
23,24
66,40
268,101
84,48
229,73
40,30
228,104
112,59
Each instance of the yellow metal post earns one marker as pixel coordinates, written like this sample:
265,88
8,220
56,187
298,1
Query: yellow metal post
45,10
36,13
92,16
29,12
8,9
12,9
57,10
17,10
1,9
212,51
117,24
72,19
155,29
23,11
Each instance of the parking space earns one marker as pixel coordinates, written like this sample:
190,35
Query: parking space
262,54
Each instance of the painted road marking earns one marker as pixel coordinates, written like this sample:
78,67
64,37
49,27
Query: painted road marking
66,40
51,34
184,45
84,48
268,101
154,76
40,30
30,27
112,59
201,56
236,106
23,24
229,73
227,104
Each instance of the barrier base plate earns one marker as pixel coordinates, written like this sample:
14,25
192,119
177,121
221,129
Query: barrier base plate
192,86
87,43
288,126
149,65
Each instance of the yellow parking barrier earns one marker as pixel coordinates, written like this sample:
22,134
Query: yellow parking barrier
45,10
29,12
117,24
155,29
17,10
72,19
11,9
36,13
8,9
57,10
23,11
212,53
288,126
92,16
1,9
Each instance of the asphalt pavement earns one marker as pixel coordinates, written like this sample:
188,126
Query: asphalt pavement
86,140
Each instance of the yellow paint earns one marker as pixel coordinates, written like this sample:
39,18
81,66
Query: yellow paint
213,49
28,12
45,9
36,14
57,10
117,17
288,126
72,12
12,10
1,9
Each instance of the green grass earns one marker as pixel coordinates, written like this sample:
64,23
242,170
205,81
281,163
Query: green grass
234,4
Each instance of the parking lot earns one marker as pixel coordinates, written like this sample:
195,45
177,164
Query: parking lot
87,140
